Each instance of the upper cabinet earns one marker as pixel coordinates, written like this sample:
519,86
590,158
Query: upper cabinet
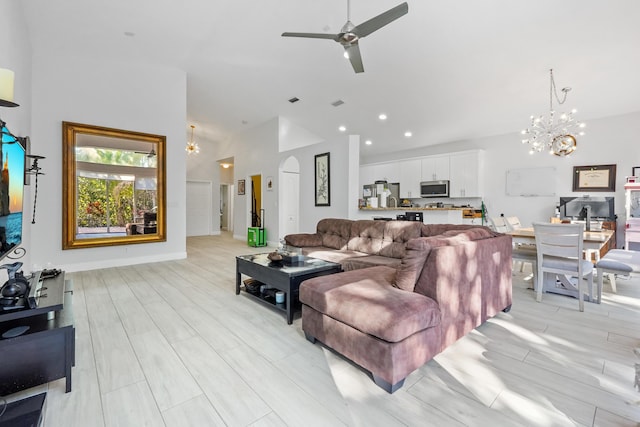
463,170
466,174
435,168
410,177
369,174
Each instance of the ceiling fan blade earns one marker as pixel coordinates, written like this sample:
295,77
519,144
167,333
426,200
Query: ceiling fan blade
334,37
381,20
354,57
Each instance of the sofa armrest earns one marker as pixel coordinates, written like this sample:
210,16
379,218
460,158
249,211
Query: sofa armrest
302,240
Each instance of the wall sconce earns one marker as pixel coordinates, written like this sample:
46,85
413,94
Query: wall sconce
225,165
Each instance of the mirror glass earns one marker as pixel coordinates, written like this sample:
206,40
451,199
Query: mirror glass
114,187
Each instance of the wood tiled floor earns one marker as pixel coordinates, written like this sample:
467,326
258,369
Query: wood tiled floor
171,344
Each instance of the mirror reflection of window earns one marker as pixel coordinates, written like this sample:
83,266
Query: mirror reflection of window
115,188
114,180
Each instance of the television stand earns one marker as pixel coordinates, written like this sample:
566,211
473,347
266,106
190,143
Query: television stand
46,350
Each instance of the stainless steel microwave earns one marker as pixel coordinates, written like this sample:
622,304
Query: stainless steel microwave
434,189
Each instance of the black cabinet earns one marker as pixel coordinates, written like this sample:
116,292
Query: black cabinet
46,350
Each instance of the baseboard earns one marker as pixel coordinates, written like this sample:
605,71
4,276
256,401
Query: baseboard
95,265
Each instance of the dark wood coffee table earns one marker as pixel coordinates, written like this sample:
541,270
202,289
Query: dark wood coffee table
281,276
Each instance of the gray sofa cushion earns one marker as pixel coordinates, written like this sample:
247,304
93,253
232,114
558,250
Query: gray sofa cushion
335,232
366,236
365,300
355,263
331,255
396,236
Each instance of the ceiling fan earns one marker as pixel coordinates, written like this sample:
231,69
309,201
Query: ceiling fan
151,153
350,34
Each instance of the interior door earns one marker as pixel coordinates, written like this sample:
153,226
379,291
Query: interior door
199,209
290,202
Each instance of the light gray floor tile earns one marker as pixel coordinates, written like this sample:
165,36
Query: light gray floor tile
236,402
195,412
131,406
169,380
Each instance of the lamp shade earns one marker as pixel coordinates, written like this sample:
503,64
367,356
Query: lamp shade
6,88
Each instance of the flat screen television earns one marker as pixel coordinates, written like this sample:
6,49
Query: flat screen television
576,208
12,173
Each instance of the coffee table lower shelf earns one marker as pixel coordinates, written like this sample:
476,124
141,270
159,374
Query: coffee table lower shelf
267,299
281,277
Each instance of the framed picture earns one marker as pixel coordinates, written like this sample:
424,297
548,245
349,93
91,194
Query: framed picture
241,187
322,180
269,183
594,178
635,171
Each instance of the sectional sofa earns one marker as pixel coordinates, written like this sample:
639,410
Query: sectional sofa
408,291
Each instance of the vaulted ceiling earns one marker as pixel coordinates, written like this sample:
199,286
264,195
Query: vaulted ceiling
446,71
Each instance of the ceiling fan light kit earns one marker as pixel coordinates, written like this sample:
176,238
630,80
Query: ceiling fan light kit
350,34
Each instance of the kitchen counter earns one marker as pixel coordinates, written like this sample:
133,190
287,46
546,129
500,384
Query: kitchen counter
443,215
400,208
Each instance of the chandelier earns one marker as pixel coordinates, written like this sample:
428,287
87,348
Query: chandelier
555,134
192,146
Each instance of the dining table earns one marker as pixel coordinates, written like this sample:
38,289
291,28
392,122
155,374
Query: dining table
596,244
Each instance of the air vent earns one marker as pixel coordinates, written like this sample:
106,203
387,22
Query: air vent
337,103
294,99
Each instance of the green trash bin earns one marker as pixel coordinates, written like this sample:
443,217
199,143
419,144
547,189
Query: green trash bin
256,237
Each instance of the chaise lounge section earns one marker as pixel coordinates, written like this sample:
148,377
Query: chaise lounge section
393,317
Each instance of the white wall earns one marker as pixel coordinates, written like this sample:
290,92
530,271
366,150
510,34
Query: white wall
339,183
204,167
255,151
128,96
610,140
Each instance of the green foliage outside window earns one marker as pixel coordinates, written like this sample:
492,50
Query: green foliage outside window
110,203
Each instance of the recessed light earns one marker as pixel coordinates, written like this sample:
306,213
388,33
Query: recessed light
382,116
368,142
408,134
342,128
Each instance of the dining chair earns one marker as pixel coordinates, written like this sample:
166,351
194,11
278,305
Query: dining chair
522,253
559,251
499,224
513,222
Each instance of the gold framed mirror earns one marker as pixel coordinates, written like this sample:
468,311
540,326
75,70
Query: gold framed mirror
113,185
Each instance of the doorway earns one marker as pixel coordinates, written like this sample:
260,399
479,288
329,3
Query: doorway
224,205
256,201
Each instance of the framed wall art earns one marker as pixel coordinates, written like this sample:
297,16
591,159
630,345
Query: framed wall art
241,187
322,180
635,171
594,178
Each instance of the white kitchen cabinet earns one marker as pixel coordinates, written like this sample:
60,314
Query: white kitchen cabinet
367,174
410,177
435,168
466,174
390,172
